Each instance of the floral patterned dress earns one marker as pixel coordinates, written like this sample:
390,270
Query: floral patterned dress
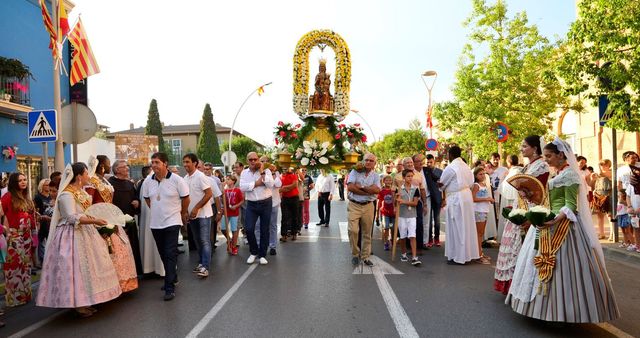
17,267
121,255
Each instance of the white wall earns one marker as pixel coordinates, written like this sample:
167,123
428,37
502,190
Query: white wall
96,146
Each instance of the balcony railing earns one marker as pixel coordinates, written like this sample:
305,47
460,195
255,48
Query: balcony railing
15,90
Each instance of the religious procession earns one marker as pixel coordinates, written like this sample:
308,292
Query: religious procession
485,209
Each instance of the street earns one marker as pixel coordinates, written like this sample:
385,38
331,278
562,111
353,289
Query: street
310,289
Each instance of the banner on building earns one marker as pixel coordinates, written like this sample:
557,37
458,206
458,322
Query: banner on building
136,149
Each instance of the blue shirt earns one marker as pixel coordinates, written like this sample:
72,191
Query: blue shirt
364,180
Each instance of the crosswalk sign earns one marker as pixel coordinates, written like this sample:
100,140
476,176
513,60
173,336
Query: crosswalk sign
42,126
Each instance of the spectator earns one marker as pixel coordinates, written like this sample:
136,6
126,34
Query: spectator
408,197
43,202
233,200
289,205
601,202
304,189
386,205
482,202
432,176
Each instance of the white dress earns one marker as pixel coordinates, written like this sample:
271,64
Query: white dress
151,261
461,244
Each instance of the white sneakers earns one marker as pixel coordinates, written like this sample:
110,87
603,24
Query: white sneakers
252,259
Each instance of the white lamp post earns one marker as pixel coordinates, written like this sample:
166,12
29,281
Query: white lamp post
430,75
367,123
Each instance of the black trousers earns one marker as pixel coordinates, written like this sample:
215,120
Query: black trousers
167,243
324,207
434,221
341,189
290,215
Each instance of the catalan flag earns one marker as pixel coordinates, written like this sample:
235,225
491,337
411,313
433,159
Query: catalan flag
83,63
48,25
63,21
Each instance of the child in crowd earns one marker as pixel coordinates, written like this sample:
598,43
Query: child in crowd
386,207
623,209
233,200
482,201
407,197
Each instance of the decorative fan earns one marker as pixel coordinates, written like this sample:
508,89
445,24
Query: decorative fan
531,186
107,212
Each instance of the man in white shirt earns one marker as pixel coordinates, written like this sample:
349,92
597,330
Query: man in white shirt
167,195
325,186
200,212
256,183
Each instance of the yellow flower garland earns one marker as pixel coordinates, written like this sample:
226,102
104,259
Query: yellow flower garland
301,70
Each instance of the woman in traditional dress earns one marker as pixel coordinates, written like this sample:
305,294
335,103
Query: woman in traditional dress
121,253
20,214
76,272
567,280
511,240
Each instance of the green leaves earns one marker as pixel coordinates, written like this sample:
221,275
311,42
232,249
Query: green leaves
154,126
208,147
399,144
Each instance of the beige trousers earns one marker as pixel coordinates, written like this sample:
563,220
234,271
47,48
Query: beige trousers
360,216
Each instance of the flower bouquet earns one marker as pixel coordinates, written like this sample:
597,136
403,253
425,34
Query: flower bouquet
517,216
286,133
352,134
538,215
313,154
106,231
128,220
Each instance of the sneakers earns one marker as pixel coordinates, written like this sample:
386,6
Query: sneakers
430,243
404,258
203,272
272,251
415,261
169,296
197,268
437,242
386,246
263,261
251,259
483,261
355,260
234,251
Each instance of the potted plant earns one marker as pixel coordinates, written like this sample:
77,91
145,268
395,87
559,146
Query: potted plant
14,68
4,96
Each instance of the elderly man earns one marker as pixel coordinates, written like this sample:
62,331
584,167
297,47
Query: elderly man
256,183
126,198
456,182
363,187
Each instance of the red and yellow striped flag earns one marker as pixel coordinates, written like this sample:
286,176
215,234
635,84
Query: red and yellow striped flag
83,63
48,25
63,21
260,90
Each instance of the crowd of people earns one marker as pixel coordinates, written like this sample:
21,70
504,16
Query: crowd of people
538,268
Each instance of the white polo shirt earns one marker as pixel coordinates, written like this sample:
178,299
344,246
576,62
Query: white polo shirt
165,198
198,183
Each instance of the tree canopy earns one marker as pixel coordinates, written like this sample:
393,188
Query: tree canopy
505,74
154,126
400,143
241,145
208,147
602,57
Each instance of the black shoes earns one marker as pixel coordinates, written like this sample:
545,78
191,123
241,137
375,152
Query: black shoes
355,260
368,262
319,224
169,296
272,252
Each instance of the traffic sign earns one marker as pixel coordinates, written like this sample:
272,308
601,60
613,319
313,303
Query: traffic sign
431,144
42,126
228,158
84,127
503,131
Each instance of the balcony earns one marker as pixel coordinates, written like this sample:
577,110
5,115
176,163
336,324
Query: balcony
15,95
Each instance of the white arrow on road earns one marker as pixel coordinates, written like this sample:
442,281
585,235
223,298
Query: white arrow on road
398,315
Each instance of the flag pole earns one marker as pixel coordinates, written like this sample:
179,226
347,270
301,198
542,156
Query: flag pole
57,104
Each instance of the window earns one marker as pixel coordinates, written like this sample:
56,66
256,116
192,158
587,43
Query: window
176,147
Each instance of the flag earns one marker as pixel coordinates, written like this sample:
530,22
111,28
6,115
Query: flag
83,63
63,21
260,90
48,25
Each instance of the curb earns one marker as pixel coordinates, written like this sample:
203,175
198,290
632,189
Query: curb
611,251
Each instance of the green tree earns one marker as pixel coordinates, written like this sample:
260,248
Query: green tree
208,147
154,126
602,57
173,160
241,145
400,143
505,74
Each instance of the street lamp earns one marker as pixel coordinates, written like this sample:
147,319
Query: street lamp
432,75
261,88
365,121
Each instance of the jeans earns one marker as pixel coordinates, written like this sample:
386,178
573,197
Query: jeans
324,207
258,210
201,228
167,243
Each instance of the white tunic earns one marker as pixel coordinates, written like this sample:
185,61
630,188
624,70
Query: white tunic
461,242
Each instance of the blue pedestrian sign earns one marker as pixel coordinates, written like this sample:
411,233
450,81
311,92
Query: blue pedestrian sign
42,126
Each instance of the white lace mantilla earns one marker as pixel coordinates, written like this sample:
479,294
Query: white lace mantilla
565,178
536,168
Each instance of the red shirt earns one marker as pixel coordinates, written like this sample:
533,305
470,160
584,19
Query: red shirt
234,196
385,199
288,179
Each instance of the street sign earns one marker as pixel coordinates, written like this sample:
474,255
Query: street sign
85,124
228,158
431,144
503,131
42,126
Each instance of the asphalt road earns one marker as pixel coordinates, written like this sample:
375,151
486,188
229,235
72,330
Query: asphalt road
310,289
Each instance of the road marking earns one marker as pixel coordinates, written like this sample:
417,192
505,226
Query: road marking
344,231
29,329
614,330
216,308
398,315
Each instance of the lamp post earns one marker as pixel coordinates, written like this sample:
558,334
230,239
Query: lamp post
431,75
236,117
375,139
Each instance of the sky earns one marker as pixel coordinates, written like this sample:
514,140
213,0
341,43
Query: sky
188,53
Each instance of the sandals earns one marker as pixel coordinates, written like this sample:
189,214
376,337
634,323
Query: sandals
483,260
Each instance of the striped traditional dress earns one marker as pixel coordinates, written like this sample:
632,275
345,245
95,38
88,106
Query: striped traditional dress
578,289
